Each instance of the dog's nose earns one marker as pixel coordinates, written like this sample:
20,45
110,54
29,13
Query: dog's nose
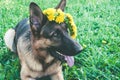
78,48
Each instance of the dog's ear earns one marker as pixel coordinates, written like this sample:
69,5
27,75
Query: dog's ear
37,19
61,5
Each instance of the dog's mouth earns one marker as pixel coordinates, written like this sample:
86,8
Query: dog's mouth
68,59
63,58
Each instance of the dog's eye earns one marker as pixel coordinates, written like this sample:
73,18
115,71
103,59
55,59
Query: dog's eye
56,34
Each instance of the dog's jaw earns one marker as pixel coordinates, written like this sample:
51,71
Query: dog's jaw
63,58
68,59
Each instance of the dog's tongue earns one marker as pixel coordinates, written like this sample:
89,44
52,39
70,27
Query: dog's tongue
70,60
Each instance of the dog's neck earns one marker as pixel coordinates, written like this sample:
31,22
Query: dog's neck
44,57
40,53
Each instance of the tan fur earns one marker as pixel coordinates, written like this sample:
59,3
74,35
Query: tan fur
43,43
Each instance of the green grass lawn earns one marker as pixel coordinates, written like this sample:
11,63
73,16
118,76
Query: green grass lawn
98,23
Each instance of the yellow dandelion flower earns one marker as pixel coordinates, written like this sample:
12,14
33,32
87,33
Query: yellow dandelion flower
74,30
59,11
51,17
60,16
73,36
71,21
50,12
72,24
69,16
45,11
59,19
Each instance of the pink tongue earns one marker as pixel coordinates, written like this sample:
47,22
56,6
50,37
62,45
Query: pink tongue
70,60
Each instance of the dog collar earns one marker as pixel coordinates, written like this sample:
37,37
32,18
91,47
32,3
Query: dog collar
59,16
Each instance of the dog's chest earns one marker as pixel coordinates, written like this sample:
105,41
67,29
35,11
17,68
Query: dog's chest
38,68
47,66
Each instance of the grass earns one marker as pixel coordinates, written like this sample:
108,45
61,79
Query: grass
98,23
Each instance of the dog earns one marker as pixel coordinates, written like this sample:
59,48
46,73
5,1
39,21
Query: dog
42,45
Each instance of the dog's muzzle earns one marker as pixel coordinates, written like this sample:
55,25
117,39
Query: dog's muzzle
66,58
77,48
67,50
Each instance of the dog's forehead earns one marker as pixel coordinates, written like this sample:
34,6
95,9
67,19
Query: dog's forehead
53,25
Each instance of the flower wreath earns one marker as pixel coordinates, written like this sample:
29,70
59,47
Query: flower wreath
59,16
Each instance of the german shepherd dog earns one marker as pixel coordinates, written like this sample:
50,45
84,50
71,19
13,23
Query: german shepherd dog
42,45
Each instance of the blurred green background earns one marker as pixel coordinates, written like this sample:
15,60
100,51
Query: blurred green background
98,23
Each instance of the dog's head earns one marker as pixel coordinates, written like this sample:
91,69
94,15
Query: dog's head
51,35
